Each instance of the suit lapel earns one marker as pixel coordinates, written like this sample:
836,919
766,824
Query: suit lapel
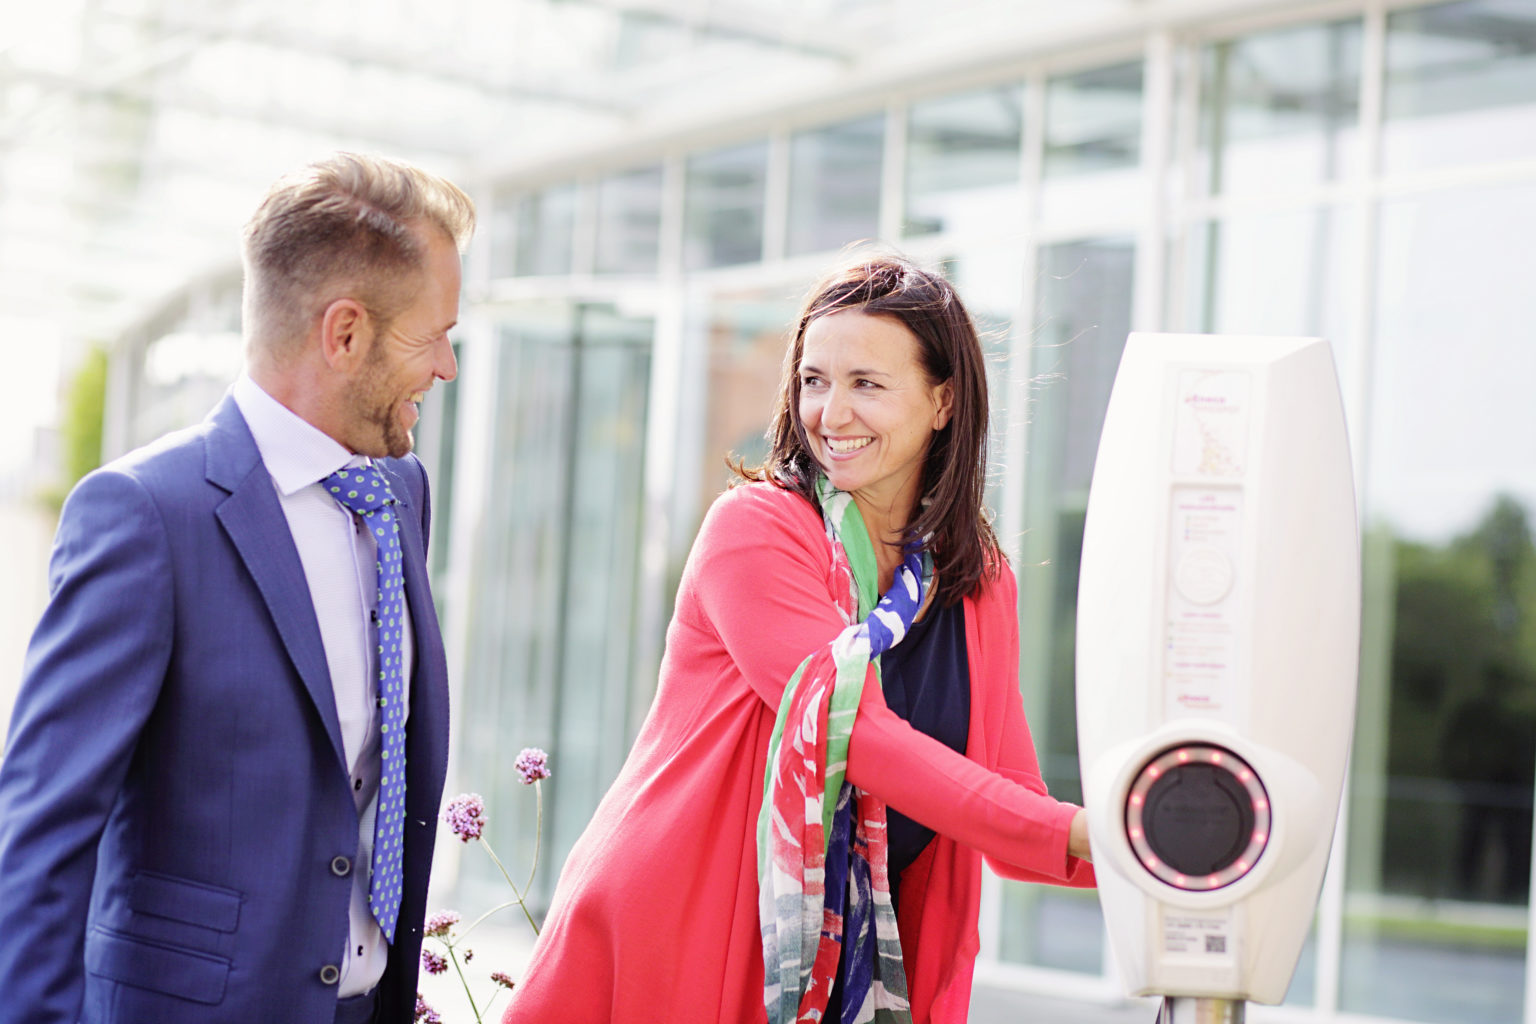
253,518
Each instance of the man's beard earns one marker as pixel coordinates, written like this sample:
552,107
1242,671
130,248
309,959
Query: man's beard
371,406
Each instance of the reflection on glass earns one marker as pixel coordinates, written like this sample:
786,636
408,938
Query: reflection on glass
501,233
748,334
1460,84
1083,316
723,206
1093,121
1093,144
989,282
1277,273
1440,824
546,231
629,222
834,185
963,157
1280,110
551,610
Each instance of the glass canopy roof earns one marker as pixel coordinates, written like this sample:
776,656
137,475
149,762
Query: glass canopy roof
136,135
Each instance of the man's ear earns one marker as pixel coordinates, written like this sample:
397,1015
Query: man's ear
345,332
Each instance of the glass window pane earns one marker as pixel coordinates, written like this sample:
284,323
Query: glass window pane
629,222
1280,110
1083,311
1440,819
1460,85
1093,144
963,157
602,566
501,234
550,620
723,218
546,229
834,185
1275,273
748,334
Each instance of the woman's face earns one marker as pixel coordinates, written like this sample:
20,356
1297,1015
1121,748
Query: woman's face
868,407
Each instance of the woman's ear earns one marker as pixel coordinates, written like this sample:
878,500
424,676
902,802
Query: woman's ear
944,404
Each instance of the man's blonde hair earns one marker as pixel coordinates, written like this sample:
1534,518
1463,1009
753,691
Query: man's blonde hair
348,226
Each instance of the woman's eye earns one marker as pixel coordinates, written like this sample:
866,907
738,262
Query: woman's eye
810,382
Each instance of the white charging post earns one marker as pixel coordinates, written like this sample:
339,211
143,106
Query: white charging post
1218,624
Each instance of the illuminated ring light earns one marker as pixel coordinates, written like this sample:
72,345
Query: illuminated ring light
1197,817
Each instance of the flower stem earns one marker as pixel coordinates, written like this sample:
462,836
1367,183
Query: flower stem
500,906
465,982
526,913
538,835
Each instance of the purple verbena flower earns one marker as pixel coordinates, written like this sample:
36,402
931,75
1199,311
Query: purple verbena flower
433,962
440,924
502,978
466,816
469,955
532,764
424,1012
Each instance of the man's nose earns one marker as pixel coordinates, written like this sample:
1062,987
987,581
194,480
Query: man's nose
446,366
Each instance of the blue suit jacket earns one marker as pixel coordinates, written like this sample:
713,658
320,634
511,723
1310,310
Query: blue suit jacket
177,827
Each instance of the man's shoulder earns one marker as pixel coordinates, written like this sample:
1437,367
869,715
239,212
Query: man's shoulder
171,460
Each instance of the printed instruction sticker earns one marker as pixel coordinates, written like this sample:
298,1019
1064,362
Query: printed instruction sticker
1200,640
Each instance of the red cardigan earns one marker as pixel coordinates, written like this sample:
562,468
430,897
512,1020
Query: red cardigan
655,918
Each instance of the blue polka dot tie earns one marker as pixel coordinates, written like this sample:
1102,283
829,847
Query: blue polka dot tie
364,491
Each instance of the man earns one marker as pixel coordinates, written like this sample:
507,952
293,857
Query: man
207,812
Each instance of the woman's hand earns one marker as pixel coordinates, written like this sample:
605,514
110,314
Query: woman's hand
1077,837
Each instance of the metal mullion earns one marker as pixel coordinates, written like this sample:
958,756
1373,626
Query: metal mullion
893,173
776,197
1158,97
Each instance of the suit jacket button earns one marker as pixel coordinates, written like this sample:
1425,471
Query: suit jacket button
341,867
330,974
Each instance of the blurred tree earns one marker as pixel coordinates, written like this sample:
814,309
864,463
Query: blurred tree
1462,759
80,426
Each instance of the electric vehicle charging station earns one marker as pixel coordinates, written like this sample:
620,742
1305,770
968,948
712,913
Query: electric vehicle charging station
1218,624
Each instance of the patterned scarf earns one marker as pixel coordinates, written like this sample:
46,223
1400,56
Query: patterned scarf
824,890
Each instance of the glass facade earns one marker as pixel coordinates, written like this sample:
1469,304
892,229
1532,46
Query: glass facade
1440,829
1297,199
1459,85
834,185
963,161
1281,110
544,227
555,572
727,190
629,222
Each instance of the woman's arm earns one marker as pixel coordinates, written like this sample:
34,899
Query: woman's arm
760,579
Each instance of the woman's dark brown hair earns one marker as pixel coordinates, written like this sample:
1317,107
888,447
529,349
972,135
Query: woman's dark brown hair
964,548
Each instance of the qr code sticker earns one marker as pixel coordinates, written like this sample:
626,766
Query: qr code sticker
1215,943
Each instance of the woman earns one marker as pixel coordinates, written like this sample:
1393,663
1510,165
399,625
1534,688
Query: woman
683,885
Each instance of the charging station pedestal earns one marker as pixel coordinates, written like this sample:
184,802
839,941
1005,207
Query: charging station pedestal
1218,625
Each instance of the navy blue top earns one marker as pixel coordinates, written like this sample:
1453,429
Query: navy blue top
926,680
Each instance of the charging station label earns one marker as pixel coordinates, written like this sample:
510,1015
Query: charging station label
1200,652
1200,935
